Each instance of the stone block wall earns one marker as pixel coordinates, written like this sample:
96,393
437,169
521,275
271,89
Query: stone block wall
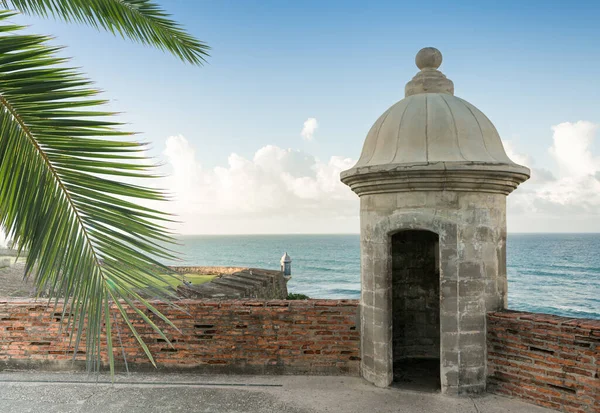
230,336
472,265
547,360
415,295
235,283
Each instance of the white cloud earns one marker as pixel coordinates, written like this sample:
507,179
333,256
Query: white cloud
538,175
278,190
285,190
569,203
309,128
572,149
521,159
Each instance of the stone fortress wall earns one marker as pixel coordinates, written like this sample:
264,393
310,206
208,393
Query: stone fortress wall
234,283
215,336
239,323
546,360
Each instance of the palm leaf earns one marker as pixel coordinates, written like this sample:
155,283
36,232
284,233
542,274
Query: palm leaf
88,237
140,20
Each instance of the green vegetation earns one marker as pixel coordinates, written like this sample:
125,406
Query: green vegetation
176,279
69,176
294,296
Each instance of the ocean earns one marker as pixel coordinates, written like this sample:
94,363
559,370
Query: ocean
547,273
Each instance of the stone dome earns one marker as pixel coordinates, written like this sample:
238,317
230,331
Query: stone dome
432,139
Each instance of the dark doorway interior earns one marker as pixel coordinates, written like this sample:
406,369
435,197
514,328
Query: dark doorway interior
416,310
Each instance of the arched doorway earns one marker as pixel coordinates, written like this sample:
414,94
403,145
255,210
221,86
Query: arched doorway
416,309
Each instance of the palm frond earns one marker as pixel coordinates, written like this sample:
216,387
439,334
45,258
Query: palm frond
140,20
89,239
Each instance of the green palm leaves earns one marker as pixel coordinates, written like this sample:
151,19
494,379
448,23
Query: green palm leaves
64,173
139,20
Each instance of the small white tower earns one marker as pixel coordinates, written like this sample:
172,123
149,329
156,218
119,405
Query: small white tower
286,265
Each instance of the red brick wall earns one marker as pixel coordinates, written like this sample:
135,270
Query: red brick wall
237,336
547,360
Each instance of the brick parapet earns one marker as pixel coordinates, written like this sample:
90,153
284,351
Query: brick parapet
232,336
548,360
543,359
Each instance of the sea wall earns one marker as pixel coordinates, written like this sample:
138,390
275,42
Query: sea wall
233,336
544,359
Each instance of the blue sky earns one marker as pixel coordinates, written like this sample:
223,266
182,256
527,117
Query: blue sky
528,66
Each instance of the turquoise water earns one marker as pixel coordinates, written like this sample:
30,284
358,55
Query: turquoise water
549,273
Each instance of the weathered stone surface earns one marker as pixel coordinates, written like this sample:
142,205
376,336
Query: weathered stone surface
416,295
236,283
545,359
467,285
432,166
209,336
148,393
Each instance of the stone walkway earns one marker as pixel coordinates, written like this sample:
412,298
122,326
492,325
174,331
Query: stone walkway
34,392
11,280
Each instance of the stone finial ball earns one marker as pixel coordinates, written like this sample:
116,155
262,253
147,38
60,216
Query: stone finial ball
428,57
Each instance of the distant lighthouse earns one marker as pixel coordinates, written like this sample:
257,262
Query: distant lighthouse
286,265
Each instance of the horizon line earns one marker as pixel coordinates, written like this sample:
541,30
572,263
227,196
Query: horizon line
358,233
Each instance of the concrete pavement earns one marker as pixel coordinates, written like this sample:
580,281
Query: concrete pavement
33,392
